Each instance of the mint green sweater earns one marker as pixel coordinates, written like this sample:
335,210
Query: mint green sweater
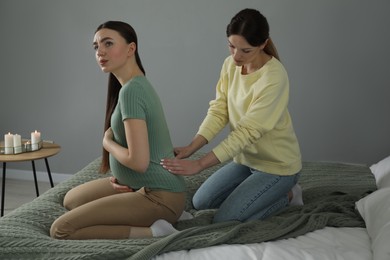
255,107
138,99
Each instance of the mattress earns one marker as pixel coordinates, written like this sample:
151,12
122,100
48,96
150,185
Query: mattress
329,243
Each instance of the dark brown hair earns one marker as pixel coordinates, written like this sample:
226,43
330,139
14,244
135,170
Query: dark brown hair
128,33
254,27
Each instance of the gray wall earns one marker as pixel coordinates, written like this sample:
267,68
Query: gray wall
336,52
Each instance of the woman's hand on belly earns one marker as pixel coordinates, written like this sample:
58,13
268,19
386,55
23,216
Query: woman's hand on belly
118,187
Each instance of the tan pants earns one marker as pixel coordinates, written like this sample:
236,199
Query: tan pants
97,211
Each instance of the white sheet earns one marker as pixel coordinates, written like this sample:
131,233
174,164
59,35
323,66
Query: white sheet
325,244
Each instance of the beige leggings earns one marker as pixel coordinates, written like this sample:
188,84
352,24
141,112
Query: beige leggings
97,211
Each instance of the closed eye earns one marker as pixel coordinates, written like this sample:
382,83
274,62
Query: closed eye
108,43
244,50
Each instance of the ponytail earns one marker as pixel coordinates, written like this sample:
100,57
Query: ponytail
270,49
112,100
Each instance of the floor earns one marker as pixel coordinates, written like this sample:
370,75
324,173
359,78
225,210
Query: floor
19,192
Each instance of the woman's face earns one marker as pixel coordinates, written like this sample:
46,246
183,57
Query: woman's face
111,50
241,51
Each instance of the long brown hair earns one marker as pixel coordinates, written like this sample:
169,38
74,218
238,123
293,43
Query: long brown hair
128,33
254,27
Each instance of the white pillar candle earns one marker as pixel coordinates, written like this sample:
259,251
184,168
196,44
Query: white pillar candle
8,143
35,139
17,143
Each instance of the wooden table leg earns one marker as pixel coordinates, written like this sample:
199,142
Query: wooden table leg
3,190
35,178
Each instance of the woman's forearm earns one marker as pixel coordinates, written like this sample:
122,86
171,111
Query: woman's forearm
208,161
197,142
122,155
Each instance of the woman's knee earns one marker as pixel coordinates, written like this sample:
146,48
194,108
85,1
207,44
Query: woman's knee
197,204
71,201
61,229
201,201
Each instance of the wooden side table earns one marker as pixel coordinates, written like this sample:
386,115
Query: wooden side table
47,150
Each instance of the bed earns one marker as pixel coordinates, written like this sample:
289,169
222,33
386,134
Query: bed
346,215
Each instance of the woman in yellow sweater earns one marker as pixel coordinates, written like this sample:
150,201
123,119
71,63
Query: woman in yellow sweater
252,97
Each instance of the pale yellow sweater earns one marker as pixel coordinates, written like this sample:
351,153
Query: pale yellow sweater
255,106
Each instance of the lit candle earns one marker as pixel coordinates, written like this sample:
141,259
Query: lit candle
17,143
35,139
27,146
8,143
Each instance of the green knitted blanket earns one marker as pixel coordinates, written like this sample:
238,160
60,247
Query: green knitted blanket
330,191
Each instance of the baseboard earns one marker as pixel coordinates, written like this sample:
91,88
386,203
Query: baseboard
29,176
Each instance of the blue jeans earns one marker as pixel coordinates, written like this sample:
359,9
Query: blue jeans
242,193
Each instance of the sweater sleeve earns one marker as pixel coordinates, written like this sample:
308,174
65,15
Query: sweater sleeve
217,115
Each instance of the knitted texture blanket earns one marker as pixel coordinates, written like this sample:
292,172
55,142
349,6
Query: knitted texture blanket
330,191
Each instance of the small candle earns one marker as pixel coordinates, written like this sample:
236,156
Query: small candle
35,139
27,146
8,143
17,143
